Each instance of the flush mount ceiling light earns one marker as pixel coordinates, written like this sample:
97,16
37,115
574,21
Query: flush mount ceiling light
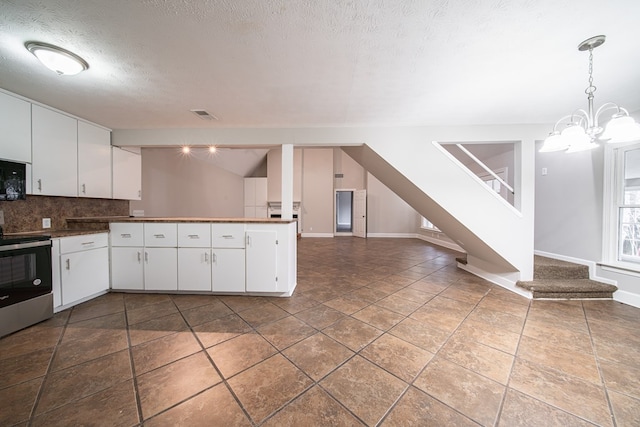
581,129
57,59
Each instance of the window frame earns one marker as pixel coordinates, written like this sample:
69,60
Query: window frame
613,200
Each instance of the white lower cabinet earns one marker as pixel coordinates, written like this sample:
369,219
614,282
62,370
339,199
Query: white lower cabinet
228,270
194,269
161,269
261,261
217,257
126,268
84,267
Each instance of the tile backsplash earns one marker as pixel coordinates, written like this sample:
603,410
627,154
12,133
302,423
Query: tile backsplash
26,215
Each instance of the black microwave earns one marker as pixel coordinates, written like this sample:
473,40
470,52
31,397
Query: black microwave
13,184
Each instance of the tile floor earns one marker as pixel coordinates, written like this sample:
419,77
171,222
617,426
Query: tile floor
379,332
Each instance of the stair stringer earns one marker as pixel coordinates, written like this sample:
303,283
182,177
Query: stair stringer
498,239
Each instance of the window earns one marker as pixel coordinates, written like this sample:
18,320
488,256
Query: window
622,234
425,223
629,205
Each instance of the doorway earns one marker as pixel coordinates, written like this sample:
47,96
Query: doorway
344,211
351,213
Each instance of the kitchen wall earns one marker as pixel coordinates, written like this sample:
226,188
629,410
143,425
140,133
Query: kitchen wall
26,215
177,185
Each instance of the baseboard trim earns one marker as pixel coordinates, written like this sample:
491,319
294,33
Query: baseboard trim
496,279
392,235
317,235
627,298
443,243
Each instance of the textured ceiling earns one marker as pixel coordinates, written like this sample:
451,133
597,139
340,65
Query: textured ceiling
307,63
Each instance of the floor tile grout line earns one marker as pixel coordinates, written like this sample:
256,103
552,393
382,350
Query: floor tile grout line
513,365
599,367
136,390
412,383
223,380
36,402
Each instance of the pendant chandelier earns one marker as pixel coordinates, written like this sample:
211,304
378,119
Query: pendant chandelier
580,130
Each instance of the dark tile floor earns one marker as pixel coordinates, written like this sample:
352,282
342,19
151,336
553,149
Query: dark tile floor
379,332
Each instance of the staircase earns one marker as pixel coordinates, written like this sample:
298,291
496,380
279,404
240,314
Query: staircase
554,279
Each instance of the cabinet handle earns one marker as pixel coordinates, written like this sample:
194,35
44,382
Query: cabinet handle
206,257
193,236
68,267
139,193
214,258
40,185
146,256
88,243
159,236
227,236
125,235
139,258
84,189
248,241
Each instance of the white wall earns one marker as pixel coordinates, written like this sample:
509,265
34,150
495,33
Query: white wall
354,175
181,186
388,214
317,190
568,215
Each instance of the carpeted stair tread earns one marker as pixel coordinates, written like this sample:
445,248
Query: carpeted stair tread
555,279
563,285
548,268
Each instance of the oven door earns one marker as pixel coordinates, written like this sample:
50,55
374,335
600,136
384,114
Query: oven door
25,271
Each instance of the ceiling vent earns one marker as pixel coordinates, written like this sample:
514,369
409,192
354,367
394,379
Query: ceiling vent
204,115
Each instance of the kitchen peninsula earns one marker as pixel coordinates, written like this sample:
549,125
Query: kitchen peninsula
242,256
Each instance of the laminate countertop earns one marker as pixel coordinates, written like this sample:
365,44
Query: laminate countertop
110,219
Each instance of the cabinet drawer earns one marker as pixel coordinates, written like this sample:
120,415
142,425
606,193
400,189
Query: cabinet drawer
126,234
83,243
227,235
161,235
194,235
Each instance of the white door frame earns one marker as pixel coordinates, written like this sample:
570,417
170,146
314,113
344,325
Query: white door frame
335,212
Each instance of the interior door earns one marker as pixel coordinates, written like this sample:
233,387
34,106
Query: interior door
360,213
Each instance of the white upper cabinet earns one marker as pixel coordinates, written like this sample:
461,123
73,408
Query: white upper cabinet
127,174
94,161
15,129
255,197
55,153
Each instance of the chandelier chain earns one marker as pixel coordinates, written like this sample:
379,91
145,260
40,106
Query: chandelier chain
591,88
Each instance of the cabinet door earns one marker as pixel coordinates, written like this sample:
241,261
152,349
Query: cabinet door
249,191
126,268
15,122
262,212
261,192
127,174
161,269
250,212
194,269
94,161
261,261
84,274
228,270
55,153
